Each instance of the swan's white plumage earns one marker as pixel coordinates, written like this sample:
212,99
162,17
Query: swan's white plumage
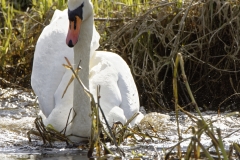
119,96
111,72
47,70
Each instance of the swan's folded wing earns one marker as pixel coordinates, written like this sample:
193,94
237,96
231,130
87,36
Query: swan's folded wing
49,56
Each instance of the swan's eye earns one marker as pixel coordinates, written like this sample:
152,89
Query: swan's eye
75,22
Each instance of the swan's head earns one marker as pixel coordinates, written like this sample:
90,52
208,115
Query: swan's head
78,11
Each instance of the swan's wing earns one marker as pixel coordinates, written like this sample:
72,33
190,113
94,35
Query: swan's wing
118,88
59,115
49,56
102,73
130,98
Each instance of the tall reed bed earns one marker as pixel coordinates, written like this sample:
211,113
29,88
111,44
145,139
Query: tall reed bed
19,33
21,29
206,32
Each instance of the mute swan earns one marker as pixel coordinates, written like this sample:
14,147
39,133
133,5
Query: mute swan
119,97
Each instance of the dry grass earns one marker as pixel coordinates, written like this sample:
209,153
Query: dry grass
206,32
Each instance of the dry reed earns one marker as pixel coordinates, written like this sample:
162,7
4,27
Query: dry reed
206,32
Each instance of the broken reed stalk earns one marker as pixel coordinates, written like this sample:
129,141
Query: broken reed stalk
178,60
192,145
185,81
201,123
203,126
175,94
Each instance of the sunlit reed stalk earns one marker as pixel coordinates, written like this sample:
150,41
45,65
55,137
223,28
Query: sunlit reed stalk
175,94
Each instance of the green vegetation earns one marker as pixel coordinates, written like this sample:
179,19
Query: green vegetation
21,29
19,33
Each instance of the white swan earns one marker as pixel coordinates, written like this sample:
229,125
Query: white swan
119,96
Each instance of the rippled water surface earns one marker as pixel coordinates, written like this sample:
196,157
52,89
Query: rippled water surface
18,110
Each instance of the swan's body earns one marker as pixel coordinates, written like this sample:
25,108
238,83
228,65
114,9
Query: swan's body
119,96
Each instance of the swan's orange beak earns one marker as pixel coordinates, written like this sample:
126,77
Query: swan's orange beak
73,31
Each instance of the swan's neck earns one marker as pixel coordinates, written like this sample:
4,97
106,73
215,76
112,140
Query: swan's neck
81,103
82,49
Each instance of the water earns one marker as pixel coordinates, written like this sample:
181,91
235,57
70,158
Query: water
18,110
42,157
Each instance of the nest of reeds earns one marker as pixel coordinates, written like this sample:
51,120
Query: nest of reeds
101,131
